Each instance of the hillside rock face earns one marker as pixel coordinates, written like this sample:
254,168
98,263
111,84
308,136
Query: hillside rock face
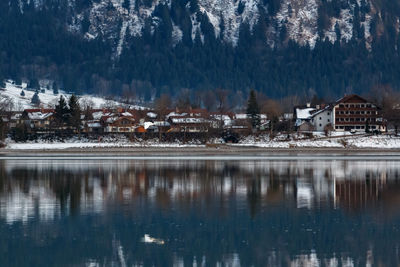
150,47
303,21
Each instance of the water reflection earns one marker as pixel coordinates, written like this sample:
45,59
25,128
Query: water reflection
298,213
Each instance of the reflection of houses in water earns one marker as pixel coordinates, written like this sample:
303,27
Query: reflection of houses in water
90,186
353,194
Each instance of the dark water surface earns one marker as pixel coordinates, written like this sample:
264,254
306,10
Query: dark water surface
208,212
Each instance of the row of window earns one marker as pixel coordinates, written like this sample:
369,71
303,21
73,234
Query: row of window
355,119
356,112
115,129
373,127
355,106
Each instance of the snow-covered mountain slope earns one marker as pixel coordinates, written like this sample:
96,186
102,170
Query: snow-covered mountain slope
303,21
48,99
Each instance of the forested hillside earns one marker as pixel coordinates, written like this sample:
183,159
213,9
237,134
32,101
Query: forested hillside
149,47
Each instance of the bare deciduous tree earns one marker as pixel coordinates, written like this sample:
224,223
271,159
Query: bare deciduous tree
162,106
209,100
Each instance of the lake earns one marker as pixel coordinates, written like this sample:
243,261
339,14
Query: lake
201,212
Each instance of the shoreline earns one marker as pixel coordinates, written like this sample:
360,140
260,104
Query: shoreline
222,150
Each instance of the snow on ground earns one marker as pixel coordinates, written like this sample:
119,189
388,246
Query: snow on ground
48,99
109,142
377,142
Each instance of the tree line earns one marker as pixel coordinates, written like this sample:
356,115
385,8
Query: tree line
35,44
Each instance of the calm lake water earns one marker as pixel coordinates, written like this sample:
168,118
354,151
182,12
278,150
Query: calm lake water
207,212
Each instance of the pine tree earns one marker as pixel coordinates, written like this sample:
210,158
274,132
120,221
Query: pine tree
74,112
55,88
61,111
34,85
35,99
253,110
18,81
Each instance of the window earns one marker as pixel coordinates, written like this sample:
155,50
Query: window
329,120
320,125
320,118
329,113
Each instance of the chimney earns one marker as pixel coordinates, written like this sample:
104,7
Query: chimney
317,106
308,105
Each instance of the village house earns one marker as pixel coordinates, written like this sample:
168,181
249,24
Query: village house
38,119
350,113
241,123
354,113
192,121
120,121
303,116
221,120
322,119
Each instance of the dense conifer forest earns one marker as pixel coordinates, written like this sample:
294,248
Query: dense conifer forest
36,44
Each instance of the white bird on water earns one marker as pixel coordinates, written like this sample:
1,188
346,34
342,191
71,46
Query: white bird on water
149,239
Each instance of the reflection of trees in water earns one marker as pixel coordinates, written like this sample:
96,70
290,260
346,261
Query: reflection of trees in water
267,193
207,185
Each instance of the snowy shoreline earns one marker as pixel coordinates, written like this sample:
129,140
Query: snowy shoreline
375,143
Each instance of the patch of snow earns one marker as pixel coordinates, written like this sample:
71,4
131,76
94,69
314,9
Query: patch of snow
301,24
48,99
304,113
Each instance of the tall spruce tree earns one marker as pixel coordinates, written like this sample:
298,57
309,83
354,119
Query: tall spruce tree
74,113
55,88
253,110
34,84
35,99
61,111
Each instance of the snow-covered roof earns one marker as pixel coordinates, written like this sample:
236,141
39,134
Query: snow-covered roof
175,114
147,124
16,116
304,113
39,115
151,115
127,114
162,123
97,115
241,116
328,108
188,120
94,125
